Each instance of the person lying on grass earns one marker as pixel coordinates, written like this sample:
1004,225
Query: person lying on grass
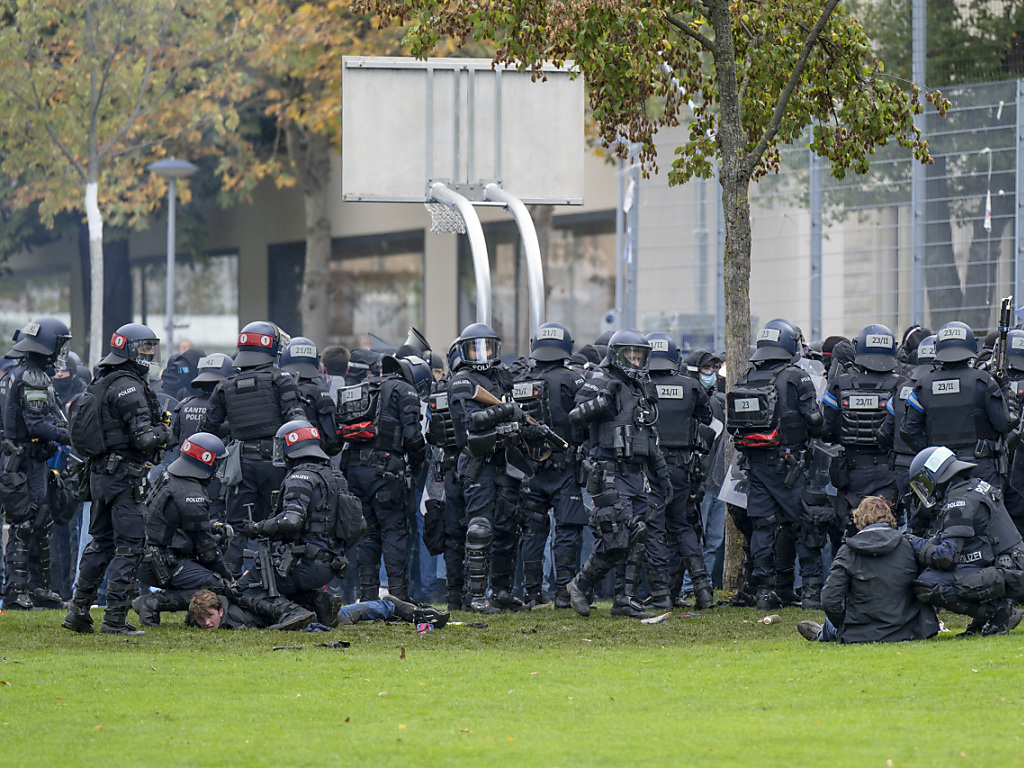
208,610
869,594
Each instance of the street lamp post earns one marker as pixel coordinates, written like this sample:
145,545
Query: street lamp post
171,169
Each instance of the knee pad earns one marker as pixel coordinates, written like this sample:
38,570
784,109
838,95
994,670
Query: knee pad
981,586
479,533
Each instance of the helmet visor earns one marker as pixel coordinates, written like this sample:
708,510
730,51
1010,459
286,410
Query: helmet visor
923,487
145,351
278,455
631,358
60,359
480,351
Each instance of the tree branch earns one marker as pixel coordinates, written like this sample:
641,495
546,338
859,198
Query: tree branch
702,40
794,79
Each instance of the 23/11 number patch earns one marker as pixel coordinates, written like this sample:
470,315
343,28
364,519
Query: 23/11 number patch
946,387
864,402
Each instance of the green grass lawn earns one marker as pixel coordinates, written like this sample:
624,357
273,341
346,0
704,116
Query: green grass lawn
544,688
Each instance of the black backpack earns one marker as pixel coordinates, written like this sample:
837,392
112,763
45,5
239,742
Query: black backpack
85,420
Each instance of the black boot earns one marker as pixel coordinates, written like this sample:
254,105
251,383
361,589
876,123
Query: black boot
703,594
280,611
811,594
766,598
46,598
78,618
324,605
17,596
398,586
661,597
1002,617
579,590
369,585
625,603
151,605
418,614
625,606
115,618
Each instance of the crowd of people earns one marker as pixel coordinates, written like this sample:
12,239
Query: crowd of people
284,487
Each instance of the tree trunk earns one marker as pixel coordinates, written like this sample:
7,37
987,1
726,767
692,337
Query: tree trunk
95,219
734,176
310,154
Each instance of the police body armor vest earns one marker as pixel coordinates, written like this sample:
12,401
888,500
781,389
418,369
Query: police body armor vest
627,433
953,416
533,395
440,428
162,532
191,412
676,400
757,414
41,380
554,412
251,402
365,417
1000,535
117,431
862,399
495,386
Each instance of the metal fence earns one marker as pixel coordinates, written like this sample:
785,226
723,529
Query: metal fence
893,246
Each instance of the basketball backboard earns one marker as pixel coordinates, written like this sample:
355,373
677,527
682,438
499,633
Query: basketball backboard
408,123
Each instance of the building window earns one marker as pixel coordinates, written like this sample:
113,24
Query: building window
205,300
579,278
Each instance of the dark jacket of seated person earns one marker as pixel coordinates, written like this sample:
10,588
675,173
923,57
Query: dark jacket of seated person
869,595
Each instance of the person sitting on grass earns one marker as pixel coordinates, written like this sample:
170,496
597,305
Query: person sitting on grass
208,610
869,594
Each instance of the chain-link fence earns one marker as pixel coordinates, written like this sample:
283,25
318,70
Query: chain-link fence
891,246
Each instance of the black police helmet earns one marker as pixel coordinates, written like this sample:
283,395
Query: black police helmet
258,344
664,352
777,340
46,336
875,349
213,369
301,357
479,346
553,342
931,470
630,352
955,342
133,343
1015,350
198,456
297,439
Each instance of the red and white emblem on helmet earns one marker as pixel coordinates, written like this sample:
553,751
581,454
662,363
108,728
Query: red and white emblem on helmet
118,341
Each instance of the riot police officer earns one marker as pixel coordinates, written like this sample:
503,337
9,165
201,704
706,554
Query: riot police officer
33,427
314,523
618,405
975,537
1014,485
674,537
190,412
385,449
182,541
255,401
959,406
772,410
922,358
301,359
491,494
130,438
547,392
856,406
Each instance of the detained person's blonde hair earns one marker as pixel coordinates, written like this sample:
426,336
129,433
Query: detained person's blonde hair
872,510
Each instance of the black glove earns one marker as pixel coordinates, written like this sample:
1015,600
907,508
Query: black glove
665,485
532,433
253,530
223,529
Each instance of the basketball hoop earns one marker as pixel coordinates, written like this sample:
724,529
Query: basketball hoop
445,220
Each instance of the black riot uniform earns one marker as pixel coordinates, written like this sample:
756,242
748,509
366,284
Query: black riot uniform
381,457
302,359
1014,485
975,545
618,405
674,536
440,433
772,411
889,437
490,493
959,407
857,403
255,401
33,428
310,529
547,392
182,540
134,438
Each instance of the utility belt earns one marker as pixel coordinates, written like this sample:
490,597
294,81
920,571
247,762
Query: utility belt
680,457
559,460
115,462
35,449
866,460
903,460
259,447
286,557
983,449
617,467
772,455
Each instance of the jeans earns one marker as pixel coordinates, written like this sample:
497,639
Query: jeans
371,610
828,633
